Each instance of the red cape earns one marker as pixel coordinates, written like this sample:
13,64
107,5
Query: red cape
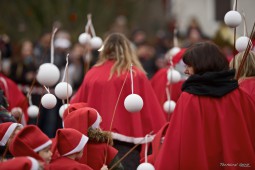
96,155
101,93
67,164
210,133
13,94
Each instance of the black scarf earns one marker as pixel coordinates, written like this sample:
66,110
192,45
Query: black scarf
214,84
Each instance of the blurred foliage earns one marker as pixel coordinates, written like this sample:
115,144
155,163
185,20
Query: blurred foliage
28,19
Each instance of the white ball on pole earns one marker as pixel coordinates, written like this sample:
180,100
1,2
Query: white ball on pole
49,101
63,90
242,43
32,111
96,42
169,106
173,76
48,74
145,166
232,19
133,103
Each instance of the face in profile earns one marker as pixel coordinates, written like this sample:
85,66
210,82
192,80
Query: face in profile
46,154
189,70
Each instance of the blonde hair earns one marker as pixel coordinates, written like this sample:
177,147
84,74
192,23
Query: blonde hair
248,67
117,47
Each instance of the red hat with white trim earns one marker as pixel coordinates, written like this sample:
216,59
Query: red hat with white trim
70,141
84,118
72,107
29,141
6,130
24,163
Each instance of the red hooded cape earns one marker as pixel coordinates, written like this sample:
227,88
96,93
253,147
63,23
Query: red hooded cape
207,133
13,94
102,93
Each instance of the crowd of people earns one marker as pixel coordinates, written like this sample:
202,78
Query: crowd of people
210,127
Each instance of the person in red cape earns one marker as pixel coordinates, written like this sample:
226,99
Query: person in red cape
159,82
70,144
31,141
17,101
98,151
246,78
7,132
212,126
105,87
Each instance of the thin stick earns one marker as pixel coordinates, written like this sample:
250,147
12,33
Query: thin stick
132,80
64,76
246,53
124,156
52,45
114,112
234,51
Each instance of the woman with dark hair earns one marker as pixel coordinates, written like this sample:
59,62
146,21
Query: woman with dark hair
212,125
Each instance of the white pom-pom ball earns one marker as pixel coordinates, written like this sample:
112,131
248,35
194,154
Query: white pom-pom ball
145,166
84,38
173,52
96,42
133,103
232,19
169,106
242,43
62,109
173,76
33,111
63,90
49,101
48,74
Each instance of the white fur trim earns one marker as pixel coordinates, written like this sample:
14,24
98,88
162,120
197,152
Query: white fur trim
46,144
129,139
8,133
35,164
79,147
97,122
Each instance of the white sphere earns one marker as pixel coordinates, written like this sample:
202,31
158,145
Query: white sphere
169,106
242,43
63,90
133,103
145,166
62,109
84,38
173,76
49,101
173,52
96,42
33,111
232,19
48,74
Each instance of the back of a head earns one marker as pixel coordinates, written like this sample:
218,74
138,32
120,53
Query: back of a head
205,57
248,69
117,47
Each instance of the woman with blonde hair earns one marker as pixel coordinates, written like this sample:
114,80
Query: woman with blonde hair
246,79
105,87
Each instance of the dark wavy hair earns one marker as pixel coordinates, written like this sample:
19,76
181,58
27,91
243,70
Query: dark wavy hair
205,57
